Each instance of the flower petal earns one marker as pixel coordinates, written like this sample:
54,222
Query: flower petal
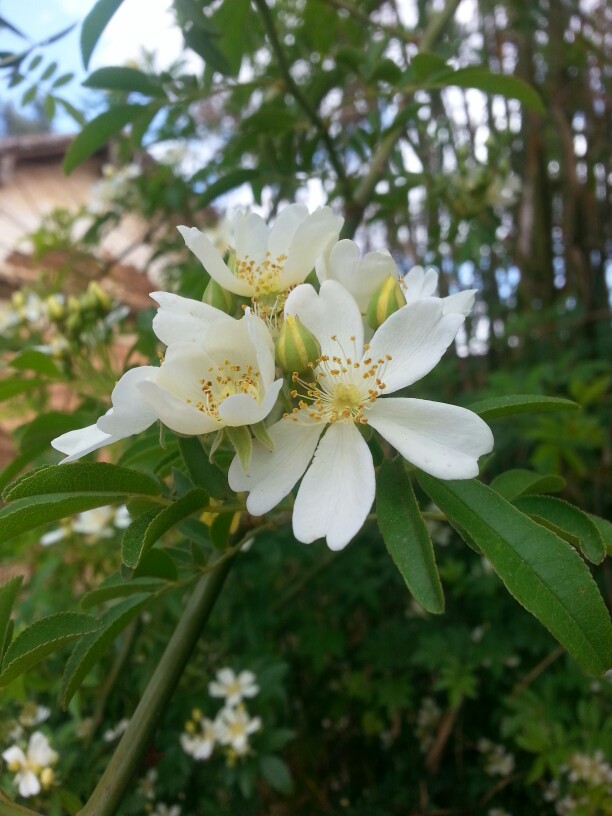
443,440
418,284
39,750
28,784
181,319
337,491
460,302
416,337
272,474
250,237
310,240
331,313
130,414
14,754
284,228
206,252
81,442
242,409
176,413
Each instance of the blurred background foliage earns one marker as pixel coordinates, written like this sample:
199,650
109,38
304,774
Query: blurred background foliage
369,706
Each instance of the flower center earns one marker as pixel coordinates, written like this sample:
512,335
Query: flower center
342,388
265,277
225,380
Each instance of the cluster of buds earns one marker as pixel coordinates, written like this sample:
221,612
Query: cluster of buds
232,726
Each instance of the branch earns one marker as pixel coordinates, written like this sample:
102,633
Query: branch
116,779
299,97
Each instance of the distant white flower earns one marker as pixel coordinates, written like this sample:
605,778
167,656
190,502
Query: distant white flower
233,687
498,812
592,769
234,726
111,734
34,715
200,745
162,809
100,522
427,722
267,261
147,784
497,760
504,190
32,769
349,387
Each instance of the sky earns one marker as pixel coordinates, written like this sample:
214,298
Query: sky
131,29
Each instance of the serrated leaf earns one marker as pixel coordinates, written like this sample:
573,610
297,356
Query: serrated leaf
156,563
566,521
27,514
119,78
150,527
540,570
94,24
115,586
83,477
8,593
202,471
406,536
503,84
277,774
520,404
42,639
605,530
514,483
98,132
90,648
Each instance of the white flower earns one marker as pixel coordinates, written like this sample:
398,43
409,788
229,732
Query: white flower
233,687
338,488
217,371
34,715
268,261
161,809
234,726
101,522
418,284
32,768
111,734
200,746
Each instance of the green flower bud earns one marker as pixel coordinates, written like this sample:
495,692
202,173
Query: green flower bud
98,297
215,295
55,308
388,298
297,349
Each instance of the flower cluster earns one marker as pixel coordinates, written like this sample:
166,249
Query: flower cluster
232,725
33,766
345,348
427,722
497,760
584,784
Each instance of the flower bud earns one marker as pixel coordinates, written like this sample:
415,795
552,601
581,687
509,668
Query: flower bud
55,308
98,297
215,295
297,349
388,298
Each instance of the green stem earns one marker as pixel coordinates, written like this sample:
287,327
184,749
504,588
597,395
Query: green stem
116,779
9,808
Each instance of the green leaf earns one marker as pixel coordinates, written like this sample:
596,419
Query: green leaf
605,530
406,536
205,45
277,774
42,639
566,521
148,528
540,570
8,593
202,471
62,80
116,78
226,183
98,132
115,586
426,64
220,530
156,563
27,514
514,483
49,71
14,387
101,478
94,24
520,404
90,648
242,443
502,84
33,360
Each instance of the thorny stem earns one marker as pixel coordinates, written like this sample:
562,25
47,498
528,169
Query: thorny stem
116,779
